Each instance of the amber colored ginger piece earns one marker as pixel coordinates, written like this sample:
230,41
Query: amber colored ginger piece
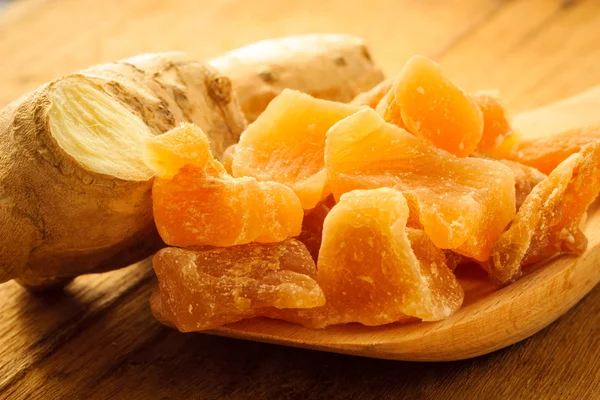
285,144
462,203
432,107
549,220
389,109
496,124
547,152
205,287
372,97
197,203
373,270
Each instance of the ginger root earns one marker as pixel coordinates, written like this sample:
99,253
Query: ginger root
326,66
75,196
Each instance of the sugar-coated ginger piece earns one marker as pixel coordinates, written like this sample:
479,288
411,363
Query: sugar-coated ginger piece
545,153
372,97
285,144
202,288
549,220
370,271
432,107
461,203
496,124
196,202
389,109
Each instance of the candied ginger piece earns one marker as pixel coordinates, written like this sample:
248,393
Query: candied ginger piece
372,97
285,144
462,203
389,109
496,125
205,287
432,107
369,270
547,152
196,202
549,220
184,145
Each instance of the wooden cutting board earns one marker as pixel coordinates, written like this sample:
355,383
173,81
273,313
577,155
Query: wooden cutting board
98,340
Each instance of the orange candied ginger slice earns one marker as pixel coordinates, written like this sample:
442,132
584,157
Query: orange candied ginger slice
285,144
432,107
389,109
369,271
205,287
547,152
461,203
549,220
197,203
372,97
496,125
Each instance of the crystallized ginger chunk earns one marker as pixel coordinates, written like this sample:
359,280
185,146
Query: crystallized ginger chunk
549,220
432,107
196,202
285,144
372,274
372,97
547,152
496,126
461,203
205,287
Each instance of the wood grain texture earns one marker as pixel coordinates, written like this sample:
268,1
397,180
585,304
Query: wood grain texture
98,340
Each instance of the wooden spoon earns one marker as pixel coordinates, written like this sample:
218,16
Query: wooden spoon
490,318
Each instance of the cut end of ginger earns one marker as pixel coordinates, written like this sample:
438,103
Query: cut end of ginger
97,130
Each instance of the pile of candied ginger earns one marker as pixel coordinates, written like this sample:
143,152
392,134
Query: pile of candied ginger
327,213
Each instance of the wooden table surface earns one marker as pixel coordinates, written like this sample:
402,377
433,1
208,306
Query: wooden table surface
98,340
